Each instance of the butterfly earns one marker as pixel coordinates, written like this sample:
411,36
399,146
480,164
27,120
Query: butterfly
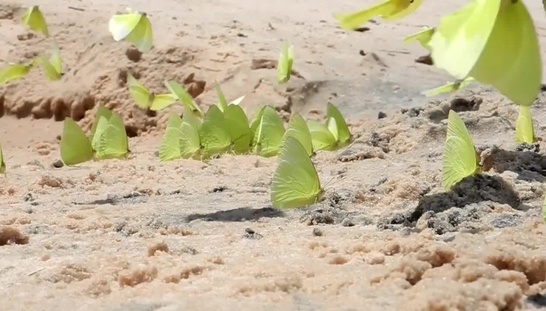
113,141
268,134
389,9
222,102
460,158
35,20
239,129
52,66
190,143
525,132
334,134
185,98
214,136
146,99
297,128
135,27
285,62
15,71
295,182
422,36
494,42
170,144
449,87
75,146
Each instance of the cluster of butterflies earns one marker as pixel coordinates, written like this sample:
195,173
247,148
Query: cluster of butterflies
492,42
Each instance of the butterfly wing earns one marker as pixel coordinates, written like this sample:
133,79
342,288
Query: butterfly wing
403,8
121,25
13,71
268,138
284,64
321,137
189,117
237,101
213,133
185,98
162,101
448,87
140,94
296,182
113,142
141,36
55,59
297,128
511,60
75,147
460,159
238,128
460,38
222,102
190,144
35,20
100,123
343,134
422,36
525,132
170,143
49,70
255,123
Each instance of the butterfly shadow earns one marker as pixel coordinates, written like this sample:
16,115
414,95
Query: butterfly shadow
469,192
238,214
529,165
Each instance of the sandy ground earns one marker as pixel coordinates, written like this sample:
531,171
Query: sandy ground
136,234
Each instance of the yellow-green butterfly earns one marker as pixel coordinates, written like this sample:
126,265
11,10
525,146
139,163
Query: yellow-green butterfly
213,133
222,102
297,128
255,122
75,147
35,20
525,132
15,71
2,163
52,66
285,62
269,134
460,156
296,182
238,128
135,27
334,134
190,144
495,42
389,9
100,124
170,144
185,98
113,141
449,87
146,99
422,36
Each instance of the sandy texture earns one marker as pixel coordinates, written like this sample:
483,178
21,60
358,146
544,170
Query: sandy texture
136,234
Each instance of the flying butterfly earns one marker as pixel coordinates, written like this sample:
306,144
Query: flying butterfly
296,182
35,20
460,158
15,71
495,42
146,99
52,66
285,62
388,9
134,27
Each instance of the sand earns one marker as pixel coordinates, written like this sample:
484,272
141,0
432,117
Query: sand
137,234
